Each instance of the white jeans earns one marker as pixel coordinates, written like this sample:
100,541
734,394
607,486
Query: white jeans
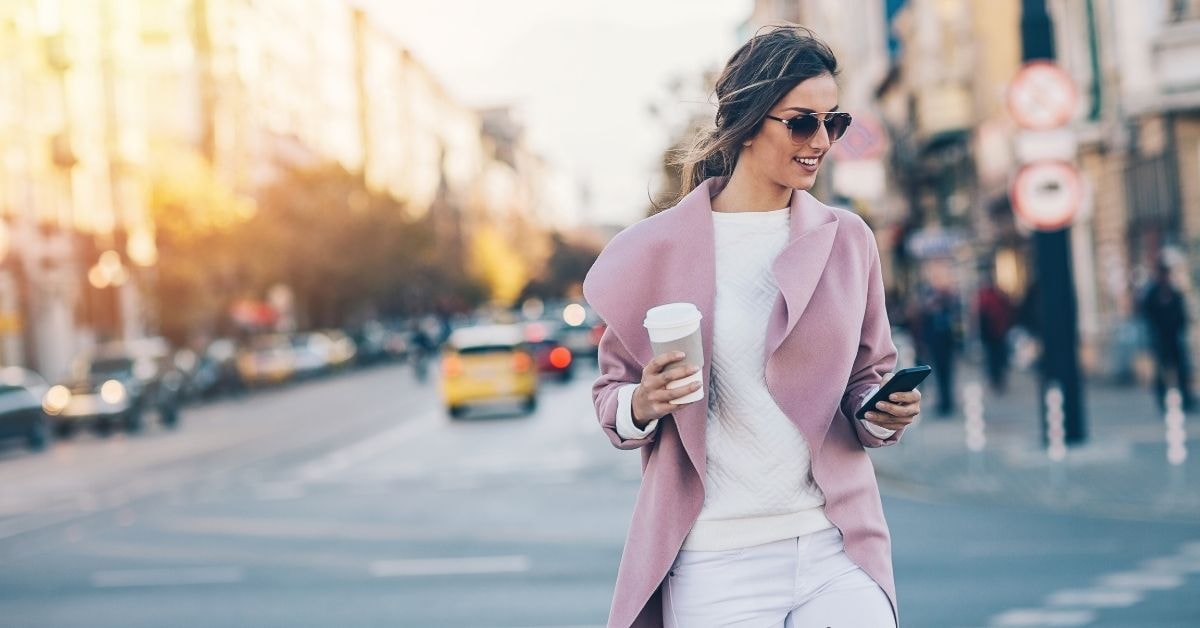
794,583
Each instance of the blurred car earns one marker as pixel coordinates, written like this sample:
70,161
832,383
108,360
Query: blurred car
215,371
488,364
551,355
582,329
266,359
340,349
371,340
116,387
21,417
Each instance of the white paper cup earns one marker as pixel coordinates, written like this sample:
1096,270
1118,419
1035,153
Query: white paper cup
676,327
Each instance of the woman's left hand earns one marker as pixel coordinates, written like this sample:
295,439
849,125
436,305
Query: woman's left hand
899,411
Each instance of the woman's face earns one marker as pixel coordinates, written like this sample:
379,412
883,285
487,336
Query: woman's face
772,155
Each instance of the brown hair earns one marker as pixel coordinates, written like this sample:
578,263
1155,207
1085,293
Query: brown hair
760,73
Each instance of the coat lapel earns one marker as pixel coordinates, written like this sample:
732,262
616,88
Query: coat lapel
695,259
799,267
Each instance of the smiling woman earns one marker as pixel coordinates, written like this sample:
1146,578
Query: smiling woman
758,502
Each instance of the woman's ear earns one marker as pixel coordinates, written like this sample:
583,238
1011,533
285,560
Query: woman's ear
747,143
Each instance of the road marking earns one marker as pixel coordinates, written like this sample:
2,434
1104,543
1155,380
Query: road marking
1098,598
449,566
167,577
1076,607
1141,580
376,445
1043,617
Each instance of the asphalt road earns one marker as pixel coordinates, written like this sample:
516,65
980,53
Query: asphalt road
354,501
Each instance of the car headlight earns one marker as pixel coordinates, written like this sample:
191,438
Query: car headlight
56,399
112,392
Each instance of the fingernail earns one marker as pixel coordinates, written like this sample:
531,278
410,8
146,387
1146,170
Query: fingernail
895,397
678,355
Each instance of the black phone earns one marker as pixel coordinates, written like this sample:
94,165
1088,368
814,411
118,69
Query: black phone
903,381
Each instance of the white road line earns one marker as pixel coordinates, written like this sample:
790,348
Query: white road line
1141,580
181,576
1096,598
449,566
1043,617
376,445
1076,607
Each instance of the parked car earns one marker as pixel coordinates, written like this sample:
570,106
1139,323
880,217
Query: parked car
582,329
116,387
21,417
552,356
488,364
266,359
215,372
371,340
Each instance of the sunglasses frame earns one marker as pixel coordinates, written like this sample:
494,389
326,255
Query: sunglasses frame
830,115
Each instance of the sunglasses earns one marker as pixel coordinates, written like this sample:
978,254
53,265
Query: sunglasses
805,125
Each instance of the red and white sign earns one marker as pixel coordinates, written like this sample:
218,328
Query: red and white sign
1042,96
1047,194
865,139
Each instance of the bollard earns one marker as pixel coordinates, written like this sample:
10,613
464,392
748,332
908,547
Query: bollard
974,427
1176,434
973,411
1055,432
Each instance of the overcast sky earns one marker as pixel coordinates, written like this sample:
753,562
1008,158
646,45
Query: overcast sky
581,74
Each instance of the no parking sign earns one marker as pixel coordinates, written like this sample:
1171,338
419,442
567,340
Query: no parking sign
1047,194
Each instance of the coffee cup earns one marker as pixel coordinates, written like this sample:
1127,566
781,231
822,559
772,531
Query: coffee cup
676,327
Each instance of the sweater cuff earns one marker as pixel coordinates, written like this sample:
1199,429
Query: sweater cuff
625,426
878,431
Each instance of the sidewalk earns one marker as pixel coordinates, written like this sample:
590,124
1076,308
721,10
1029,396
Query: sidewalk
1121,470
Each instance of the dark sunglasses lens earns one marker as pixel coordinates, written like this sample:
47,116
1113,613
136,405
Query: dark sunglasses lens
836,125
803,127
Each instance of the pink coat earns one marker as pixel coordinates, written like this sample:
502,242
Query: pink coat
828,342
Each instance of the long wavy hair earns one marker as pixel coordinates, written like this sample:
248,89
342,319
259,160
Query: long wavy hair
756,77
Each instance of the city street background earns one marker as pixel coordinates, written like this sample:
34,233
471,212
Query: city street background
292,330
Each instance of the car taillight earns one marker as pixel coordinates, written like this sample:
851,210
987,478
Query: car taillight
560,357
452,366
522,362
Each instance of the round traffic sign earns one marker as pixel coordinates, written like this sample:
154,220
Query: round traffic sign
1042,96
1047,194
865,139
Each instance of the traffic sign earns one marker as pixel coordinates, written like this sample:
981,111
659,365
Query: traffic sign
1042,96
1047,194
865,139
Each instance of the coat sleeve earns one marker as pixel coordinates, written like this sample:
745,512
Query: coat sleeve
876,354
617,370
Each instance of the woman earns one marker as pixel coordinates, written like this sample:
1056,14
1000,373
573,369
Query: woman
759,506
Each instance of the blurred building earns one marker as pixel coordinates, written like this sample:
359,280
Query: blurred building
953,147
78,246
98,95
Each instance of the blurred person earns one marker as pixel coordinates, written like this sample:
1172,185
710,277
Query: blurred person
995,311
758,506
1163,309
938,314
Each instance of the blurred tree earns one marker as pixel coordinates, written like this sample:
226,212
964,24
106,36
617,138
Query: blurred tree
496,264
346,251
195,215
564,271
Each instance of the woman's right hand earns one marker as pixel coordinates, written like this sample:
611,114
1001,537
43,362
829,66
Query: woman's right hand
652,399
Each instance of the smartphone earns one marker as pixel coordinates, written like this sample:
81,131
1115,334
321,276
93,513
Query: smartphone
903,381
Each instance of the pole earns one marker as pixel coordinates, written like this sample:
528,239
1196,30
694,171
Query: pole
1058,317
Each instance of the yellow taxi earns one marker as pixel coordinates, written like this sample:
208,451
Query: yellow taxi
488,364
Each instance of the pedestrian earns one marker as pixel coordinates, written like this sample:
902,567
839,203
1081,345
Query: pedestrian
758,504
995,311
1166,319
939,312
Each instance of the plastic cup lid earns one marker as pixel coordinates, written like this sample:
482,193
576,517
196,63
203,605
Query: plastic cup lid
671,315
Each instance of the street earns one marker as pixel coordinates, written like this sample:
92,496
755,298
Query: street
354,501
